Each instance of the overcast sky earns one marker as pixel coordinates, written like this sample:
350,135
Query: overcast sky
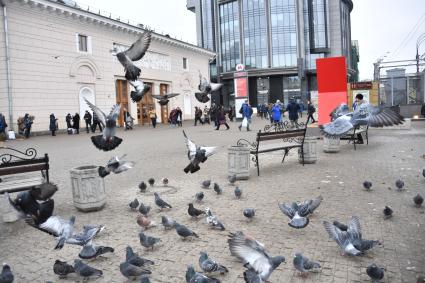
378,25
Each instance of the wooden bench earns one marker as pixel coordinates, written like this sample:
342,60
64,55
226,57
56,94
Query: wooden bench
351,136
14,162
289,138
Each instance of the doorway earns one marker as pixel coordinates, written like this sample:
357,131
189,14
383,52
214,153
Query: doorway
144,105
121,91
87,93
163,89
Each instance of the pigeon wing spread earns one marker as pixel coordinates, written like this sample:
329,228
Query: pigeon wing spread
338,128
215,87
191,147
209,150
381,116
99,113
340,237
138,49
287,210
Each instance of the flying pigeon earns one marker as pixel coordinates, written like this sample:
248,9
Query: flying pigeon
365,114
388,212
195,277
312,204
253,255
238,192
165,181
91,251
297,213
136,52
206,184
184,232
209,265
303,264
144,209
6,275
151,181
107,141
418,200
375,273
205,89
232,179
196,155
134,204
160,203
249,213
217,189
213,221
167,222
250,276
199,196
133,272
145,222
62,268
148,241
44,191
399,184
164,99
133,258
142,187
86,271
194,212
340,226
115,165
145,280
367,185
65,232
140,90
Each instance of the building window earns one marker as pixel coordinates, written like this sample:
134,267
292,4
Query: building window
310,59
229,35
317,22
82,43
208,35
184,63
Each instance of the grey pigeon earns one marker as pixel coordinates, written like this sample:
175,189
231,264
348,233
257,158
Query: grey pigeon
365,114
142,187
151,181
303,264
161,203
140,90
132,272
297,214
367,185
44,191
165,181
251,276
194,212
249,213
134,259
238,193
85,270
217,189
195,277
165,98
134,204
205,88
6,275
62,268
148,241
253,255
196,154
115,165
213,221
399,184
206,184
136,52
65,233
375,273
340,226
91,251
388,212
107,141
418,200
209,265
232,179
144,209
199,196
184,232
145,280
167,222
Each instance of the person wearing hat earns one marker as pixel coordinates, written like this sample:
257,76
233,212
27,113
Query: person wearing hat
293,108
87,118
53,124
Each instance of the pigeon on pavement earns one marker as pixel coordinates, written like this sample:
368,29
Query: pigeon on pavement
388,212
145,280
232,179
194,212
195,277
199,196
132,271
209,265
44,191
140,90
142,187
196,155
144,209
6,275
161,203
151,181
238,193
62,268
340,226
249,213
367,185
148,241
253,255
206,184
250,276
297,213
91,251
133,258
165,98
145,222
136,52
399,184
375,273
107,141
134,204
213,221
86,271
165,181
167,222
115,165
418,200
184,232
217,189
303,264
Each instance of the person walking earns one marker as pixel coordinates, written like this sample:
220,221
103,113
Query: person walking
68,120
179,115
246,115
96,123
276,113
128,120
27,125
310,111
213,114
76,123
231,115
206,113
3,126
53,126
87,118
293,108
198,115
221,117
152,116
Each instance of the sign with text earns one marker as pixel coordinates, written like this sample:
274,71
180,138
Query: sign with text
361,85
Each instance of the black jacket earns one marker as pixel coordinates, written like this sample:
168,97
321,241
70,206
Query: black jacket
87,118
76,121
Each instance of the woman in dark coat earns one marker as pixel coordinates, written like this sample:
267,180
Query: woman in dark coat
221,118
76,122
68,120
52,125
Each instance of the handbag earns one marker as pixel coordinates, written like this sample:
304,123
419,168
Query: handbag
245,122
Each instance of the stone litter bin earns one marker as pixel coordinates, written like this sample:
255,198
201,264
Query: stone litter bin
88,188
7,212
331,145
239,161
310,150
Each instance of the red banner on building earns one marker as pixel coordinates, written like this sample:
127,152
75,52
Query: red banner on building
241,87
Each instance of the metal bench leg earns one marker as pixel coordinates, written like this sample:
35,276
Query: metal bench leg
258,165
286,153
367,138
354,139
302,152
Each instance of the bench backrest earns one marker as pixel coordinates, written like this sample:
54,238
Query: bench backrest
266,136
24,166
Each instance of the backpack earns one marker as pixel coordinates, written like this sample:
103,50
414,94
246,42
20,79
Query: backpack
313,109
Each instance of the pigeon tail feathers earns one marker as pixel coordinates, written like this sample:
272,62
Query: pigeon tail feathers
100,143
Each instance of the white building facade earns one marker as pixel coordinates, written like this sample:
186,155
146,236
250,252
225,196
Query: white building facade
59,54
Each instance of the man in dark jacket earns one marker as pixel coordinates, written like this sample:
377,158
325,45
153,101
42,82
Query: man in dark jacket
96,123
293,108
76,122
310,111
198,115
87,118
68,120
53,125
27,124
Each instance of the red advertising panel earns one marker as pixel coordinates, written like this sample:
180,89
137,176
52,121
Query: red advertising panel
332,85
241,87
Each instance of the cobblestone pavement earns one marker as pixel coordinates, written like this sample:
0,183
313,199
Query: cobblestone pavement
391,154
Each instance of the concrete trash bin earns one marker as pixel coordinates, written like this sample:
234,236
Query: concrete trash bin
239,161
8,213
331,145
310,150
88,188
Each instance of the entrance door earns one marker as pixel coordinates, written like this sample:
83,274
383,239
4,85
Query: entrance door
121,88
88,94
163,89
144,105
